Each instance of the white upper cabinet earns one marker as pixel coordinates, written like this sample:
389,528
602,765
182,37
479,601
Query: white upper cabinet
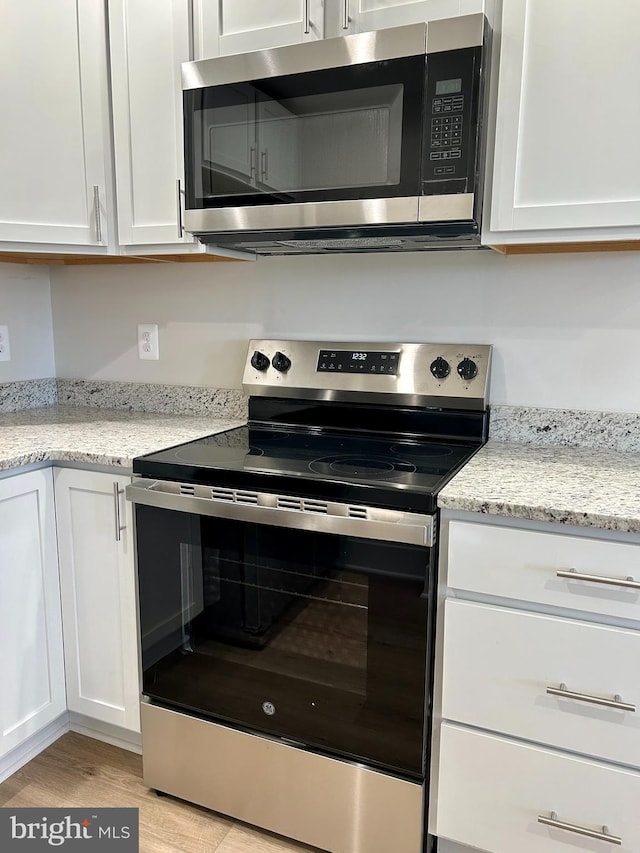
54,137
568,121
358,16
148,41
229,26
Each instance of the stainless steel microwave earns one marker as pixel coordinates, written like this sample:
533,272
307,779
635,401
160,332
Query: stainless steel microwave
369,142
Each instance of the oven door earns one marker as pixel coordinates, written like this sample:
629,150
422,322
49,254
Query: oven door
271,622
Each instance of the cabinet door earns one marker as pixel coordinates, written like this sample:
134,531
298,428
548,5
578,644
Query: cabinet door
568,116
149,39
55,127
358,16
97,579
227,26
31,657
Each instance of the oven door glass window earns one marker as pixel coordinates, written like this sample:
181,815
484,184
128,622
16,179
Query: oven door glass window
317,638
347,133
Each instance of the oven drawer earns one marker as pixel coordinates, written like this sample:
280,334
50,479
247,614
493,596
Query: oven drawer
524,564
499,665
492,792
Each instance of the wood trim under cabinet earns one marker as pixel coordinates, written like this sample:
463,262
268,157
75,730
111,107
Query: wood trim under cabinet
71,260
562,248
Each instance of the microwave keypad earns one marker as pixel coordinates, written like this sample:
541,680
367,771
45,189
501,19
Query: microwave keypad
446,132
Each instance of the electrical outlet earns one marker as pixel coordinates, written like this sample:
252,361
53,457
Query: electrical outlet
5,349
148,347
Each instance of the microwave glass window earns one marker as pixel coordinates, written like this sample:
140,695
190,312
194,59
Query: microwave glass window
326,141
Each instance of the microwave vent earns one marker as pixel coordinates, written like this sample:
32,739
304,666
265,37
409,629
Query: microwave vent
348,243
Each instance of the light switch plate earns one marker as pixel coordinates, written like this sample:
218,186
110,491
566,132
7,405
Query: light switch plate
148,345
5,349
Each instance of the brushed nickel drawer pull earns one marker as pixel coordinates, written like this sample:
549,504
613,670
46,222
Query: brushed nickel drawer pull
616,702
605,835
117,491
97,214
573,575
346,17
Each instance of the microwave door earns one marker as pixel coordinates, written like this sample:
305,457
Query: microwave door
340,134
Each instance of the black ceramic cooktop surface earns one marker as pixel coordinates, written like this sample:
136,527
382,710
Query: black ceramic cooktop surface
327,462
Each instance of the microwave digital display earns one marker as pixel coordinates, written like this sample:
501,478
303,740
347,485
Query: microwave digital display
348,361
449,87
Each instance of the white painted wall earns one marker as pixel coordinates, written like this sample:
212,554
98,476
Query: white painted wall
565,328
25,307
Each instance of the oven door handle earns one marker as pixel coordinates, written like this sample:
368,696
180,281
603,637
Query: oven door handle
388,525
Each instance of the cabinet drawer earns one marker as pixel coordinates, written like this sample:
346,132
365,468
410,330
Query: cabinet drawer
492,790
524,564
499,662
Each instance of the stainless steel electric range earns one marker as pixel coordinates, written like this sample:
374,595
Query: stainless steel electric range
287,575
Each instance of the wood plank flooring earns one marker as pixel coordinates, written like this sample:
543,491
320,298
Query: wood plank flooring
78,772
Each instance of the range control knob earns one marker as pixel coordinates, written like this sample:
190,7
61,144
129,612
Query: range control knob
467,369
281,362
259,360
440,368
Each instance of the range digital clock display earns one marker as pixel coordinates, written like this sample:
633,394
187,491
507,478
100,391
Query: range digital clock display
358,361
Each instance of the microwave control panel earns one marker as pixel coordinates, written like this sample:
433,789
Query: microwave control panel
451,119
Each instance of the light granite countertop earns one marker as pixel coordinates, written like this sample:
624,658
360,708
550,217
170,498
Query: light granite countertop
95,436
567,485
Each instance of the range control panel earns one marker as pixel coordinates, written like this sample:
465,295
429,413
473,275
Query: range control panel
431,375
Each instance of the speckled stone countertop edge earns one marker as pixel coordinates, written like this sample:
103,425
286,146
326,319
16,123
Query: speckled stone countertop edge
552,515
95,437
581,487
55,457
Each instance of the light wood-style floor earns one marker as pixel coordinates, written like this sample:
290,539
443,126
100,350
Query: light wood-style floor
78,772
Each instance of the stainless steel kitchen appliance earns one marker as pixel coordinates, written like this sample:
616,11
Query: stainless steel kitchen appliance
367,142
287,590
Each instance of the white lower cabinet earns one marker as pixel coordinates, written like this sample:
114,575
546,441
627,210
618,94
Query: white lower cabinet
97,579
538,689
31,656
492,792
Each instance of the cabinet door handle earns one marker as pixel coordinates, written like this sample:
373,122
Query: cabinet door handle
253,167
307,17
573,575
97,214
117,491
179,203
604,835
616,702
346,17
264,166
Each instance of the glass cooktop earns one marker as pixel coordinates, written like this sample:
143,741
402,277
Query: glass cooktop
365,459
